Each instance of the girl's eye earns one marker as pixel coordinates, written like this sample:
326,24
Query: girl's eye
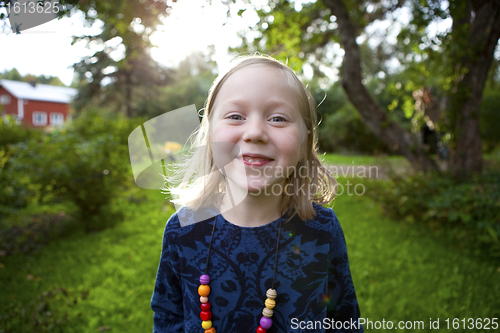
235,117
277,119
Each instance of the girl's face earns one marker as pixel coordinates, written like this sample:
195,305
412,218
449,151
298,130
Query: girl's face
257,110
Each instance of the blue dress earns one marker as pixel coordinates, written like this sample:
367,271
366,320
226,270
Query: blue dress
313,280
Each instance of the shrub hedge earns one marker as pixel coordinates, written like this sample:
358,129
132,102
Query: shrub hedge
467,211
85,163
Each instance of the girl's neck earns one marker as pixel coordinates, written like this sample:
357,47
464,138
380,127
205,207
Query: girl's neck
252,210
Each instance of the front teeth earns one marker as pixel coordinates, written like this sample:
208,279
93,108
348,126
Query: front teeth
253,160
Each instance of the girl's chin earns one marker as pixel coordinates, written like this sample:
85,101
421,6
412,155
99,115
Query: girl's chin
257,187
275,189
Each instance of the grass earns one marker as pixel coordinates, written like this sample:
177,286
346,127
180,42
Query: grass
87,283
395,161
103,281
405,273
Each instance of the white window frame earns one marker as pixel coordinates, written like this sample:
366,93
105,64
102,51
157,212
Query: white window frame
4,99
53,118
43,118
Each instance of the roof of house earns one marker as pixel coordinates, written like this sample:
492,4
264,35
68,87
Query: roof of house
40,92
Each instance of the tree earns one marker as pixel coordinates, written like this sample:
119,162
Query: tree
123,66
14,75
193,78
118,80
312,29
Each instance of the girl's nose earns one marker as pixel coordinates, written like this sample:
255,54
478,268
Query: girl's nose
255,131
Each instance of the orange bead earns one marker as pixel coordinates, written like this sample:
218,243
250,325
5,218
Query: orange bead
210,330
204,290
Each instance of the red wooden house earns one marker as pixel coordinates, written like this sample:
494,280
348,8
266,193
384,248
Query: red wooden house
35,105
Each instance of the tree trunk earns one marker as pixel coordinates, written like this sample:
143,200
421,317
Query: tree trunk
465,101
375,118
128,93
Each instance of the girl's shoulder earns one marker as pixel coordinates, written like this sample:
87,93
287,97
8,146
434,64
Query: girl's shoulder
186,217
325,214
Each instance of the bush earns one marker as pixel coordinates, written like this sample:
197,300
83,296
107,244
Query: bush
344,130
469,212
14,188
87,163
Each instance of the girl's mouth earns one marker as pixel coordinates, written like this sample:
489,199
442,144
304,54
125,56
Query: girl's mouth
256,160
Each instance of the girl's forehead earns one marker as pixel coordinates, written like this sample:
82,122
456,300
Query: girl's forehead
262,70
259,78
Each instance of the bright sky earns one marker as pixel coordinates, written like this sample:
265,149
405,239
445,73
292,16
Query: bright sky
193,25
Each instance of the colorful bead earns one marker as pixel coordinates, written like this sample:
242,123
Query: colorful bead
266,323
204,290
210,330
205,306
268,313
206,315
203,299
206,324
204,279
270,303
261,330
271,293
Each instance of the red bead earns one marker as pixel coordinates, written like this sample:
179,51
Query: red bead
206,315
205,306
261,330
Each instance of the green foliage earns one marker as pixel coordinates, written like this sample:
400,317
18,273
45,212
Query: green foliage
14,187
192,82
490,119
14,75
344,131
407,272
86,163
104,78
341,128
467,211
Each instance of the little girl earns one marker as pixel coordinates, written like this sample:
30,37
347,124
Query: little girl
265,256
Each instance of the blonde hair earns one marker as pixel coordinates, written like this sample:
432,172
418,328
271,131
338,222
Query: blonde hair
201,182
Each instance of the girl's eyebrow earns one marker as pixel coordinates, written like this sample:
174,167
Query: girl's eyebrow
269,103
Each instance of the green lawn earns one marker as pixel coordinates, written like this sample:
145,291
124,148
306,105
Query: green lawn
392,161
404,273
400,273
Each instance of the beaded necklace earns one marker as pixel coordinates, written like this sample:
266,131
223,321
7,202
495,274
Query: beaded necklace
204,290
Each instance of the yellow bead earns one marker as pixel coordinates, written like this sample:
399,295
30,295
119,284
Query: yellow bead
270,303
268,313
271,293
206,324
204,290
